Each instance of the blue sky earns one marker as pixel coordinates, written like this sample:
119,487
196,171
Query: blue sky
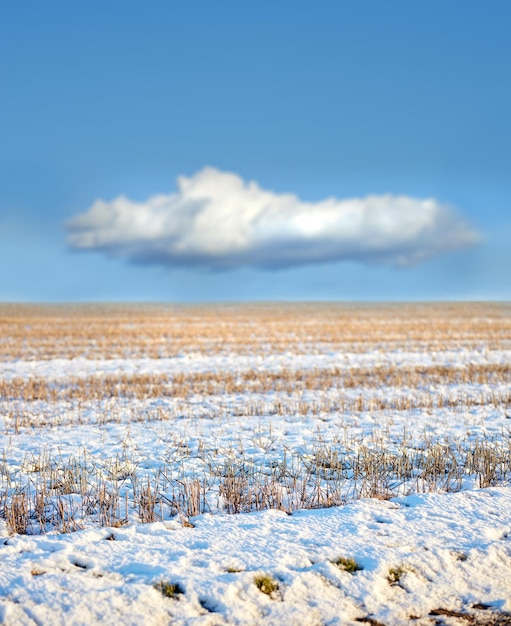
322,100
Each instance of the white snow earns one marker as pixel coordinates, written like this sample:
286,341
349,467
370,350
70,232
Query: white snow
451,551
59,369
455,551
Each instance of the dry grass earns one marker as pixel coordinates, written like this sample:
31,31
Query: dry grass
48,491
114,331
37,402
52,493
284,381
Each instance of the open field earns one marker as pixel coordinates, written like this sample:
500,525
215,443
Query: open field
367,449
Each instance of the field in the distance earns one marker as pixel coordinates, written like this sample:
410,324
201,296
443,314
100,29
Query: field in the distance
367,450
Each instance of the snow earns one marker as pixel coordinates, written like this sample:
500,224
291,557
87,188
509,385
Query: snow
455,550
450,551
60,369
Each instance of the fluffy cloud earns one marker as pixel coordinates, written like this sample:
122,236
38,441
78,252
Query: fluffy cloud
217,220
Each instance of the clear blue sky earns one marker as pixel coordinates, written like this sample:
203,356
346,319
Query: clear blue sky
320,99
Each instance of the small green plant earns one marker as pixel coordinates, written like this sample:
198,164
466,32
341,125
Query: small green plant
347,565
395,574
232,569
266,584
169,590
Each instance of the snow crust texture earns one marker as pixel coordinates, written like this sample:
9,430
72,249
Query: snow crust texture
370,485
453,552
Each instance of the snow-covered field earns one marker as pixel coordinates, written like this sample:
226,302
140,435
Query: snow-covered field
118,474
453,552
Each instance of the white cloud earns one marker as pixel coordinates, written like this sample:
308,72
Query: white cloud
217,220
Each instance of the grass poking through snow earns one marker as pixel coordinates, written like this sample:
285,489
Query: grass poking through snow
266,584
